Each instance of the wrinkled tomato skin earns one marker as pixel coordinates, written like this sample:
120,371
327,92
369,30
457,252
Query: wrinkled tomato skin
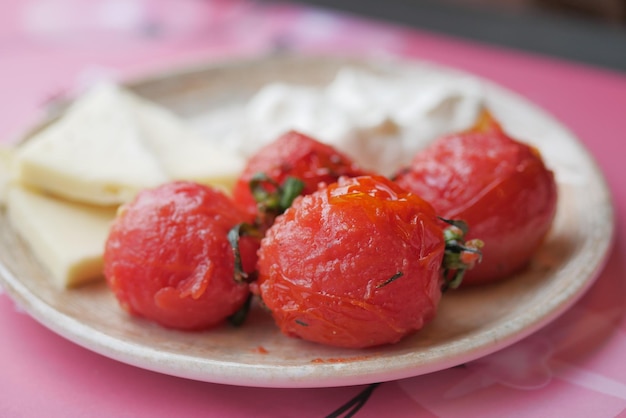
167,257
356,264
499,186
294,154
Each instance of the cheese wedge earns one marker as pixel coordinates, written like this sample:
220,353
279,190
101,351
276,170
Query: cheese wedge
110,144
93,154
6,155
68,238
181,152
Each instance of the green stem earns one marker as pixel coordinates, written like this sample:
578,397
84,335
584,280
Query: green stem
234,236
459,255
276,198
238,318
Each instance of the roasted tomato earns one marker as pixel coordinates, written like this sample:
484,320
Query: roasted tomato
168,259
499,186
266,188
355,264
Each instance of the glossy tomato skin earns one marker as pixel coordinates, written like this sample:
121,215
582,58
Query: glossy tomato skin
499,186
167,257
356,264
294,154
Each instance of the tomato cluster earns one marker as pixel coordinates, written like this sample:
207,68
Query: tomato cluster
339,255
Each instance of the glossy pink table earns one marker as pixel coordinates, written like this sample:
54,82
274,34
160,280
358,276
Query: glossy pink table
572,368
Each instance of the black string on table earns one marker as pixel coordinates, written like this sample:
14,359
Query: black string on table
355,404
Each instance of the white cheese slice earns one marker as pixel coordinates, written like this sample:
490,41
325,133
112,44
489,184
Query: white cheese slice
6,155
110,144
95,153
182,152
68,238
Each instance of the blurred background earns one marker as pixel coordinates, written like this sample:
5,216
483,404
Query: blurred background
605,11
589,31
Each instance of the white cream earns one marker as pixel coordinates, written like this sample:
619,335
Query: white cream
380,119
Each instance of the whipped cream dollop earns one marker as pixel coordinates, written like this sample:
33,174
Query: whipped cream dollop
380,119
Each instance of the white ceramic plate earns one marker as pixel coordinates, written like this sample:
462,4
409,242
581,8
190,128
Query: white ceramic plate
470,323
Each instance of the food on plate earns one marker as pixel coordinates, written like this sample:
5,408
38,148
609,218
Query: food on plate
499,186
356,264
168,259
266,186
110,144
66,237
338,253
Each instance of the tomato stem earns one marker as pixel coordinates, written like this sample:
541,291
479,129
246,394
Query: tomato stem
238,318
273,198
234,235
459,255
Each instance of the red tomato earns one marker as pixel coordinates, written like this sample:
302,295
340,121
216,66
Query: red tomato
355,264
168,259
497,185
297,156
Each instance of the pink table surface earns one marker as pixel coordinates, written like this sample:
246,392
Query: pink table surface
574,367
